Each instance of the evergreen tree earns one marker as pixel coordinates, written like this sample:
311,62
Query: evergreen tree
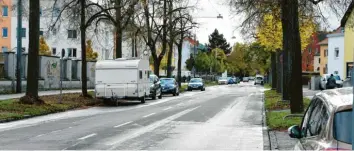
217,40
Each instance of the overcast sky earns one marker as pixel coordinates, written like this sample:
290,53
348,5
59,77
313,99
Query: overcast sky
228,25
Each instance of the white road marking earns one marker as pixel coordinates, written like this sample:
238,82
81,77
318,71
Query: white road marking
122,138
40,135
55,131
148,115
87,136
167,108
123,124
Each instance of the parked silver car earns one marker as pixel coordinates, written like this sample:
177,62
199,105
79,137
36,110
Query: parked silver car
327,122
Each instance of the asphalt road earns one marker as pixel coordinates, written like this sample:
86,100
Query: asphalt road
222,117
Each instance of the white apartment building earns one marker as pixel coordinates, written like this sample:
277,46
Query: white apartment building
336,53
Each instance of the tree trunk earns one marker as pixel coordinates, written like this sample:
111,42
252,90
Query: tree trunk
33,51
274,70
171,40
83,49
157,67
164,32
179,72
118,29
278,71
290,23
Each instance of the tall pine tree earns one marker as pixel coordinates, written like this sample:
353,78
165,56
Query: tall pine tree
217,40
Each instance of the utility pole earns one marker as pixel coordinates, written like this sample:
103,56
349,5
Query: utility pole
19,47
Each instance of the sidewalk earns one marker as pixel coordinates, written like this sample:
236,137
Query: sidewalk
40,93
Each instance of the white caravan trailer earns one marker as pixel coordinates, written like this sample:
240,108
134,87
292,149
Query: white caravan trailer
122,78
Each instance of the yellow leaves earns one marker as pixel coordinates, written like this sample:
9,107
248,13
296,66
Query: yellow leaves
43,47
90,54
270,33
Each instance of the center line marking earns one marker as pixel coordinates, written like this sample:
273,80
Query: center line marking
87,136
167,108
123,124
148,115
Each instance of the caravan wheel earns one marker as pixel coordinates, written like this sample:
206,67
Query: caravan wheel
143,99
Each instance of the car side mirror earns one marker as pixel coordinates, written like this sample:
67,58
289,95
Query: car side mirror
294,131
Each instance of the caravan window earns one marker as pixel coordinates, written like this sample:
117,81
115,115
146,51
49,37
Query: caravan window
140,74
148,75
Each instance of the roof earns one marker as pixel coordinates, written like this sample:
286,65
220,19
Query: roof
323,42
118,63
347,14
338,97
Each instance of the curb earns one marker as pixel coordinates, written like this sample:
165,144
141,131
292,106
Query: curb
266,137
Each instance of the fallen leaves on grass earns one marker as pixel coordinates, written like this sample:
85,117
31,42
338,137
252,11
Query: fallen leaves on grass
13,109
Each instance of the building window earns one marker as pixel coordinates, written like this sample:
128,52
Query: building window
336,52
5,11
72,34
319,60
54,51
141,74
54,30
4,49
74,52
4,32
23,32
310,50
326,69
56,12
325,52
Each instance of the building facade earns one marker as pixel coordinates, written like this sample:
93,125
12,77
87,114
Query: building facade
336,53
64,38
323,56
348,23
5,25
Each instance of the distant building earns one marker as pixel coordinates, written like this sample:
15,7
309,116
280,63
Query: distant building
308,54
336,53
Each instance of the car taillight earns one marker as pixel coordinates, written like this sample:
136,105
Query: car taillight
332,148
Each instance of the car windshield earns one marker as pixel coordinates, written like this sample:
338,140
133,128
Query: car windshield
245,78
337,77
195,80
342,126
259,78
167,81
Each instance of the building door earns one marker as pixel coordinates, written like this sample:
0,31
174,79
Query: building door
349,69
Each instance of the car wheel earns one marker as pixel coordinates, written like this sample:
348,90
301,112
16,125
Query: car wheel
154,96
203,89
142,99
177,92
160,96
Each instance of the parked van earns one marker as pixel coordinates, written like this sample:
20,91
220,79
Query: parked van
122,79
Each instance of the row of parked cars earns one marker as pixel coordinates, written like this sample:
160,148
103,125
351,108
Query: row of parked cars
170,86
234,80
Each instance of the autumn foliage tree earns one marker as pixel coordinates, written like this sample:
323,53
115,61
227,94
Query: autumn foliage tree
43,47
90,54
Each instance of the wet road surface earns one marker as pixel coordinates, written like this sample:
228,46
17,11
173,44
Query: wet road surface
222,117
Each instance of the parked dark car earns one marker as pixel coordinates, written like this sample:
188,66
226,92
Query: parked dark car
169,86
230,80
155,87
196,84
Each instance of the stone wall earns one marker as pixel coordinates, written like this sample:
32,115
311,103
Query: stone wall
50,70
